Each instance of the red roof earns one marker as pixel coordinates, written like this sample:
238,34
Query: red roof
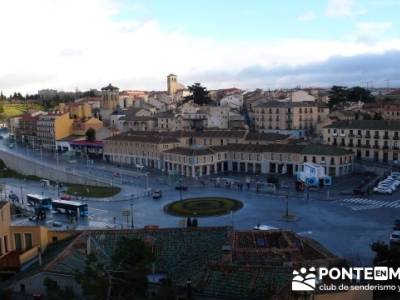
85,142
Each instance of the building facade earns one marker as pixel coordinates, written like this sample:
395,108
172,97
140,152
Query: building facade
211,152
376,140
298,118
53,127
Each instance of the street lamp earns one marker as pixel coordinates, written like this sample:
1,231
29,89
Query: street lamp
287,205
131,213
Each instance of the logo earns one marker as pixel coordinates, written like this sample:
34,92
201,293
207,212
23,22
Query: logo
304,280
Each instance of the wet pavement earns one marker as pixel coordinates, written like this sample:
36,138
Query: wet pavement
346,225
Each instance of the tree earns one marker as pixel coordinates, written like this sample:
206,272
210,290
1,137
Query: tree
199,94
54,292
337,95
121,276
359,94
341,94
90,135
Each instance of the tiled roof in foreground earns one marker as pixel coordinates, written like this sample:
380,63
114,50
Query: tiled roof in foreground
258,261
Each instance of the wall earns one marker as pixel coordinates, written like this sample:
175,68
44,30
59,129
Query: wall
25,166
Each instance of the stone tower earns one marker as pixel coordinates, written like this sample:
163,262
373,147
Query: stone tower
109,97
172,83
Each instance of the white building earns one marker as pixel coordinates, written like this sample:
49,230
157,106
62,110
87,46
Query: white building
233,101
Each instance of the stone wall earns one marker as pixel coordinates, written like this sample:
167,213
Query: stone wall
25,166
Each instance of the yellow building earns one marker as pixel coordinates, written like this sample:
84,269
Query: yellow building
52,127
20,246
80,126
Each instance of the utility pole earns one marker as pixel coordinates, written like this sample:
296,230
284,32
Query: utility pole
287,205
131,213
387,83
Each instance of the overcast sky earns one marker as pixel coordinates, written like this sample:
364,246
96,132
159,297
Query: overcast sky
68,44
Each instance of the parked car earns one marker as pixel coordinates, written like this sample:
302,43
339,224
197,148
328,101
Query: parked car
263,227
381,190
157,194
13,197
395,237
57,224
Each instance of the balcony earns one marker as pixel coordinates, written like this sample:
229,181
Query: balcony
351,135
367,136
351,145
376,136
376,146
385,147
385,137
396,137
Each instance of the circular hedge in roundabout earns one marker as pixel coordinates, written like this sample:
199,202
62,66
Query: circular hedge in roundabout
203,207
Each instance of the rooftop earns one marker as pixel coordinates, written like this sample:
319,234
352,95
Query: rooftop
259,259
367,124
109,87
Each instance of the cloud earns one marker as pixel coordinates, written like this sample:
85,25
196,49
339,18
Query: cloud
374,27
66,44
307,16
341,70
371,32
339,8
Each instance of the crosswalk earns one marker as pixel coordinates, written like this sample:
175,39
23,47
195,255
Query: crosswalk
357,204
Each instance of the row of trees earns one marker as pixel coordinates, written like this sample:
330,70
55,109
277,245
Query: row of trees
340,94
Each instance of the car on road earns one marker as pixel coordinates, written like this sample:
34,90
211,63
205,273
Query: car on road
181,187
157,194
395,237
381,190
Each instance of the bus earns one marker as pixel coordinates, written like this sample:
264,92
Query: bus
71,207
39,201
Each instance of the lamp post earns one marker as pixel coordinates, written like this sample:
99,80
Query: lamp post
287,206
131,211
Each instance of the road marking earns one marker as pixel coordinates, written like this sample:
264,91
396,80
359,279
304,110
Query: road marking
358,204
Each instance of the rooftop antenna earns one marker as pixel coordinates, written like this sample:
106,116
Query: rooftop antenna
387,83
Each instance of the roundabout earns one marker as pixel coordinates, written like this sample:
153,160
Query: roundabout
203,207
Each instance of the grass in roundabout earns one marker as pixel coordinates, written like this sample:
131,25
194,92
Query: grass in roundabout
92,191
203,207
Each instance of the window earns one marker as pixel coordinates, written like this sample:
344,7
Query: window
18,241
314,159
28,240
305,159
